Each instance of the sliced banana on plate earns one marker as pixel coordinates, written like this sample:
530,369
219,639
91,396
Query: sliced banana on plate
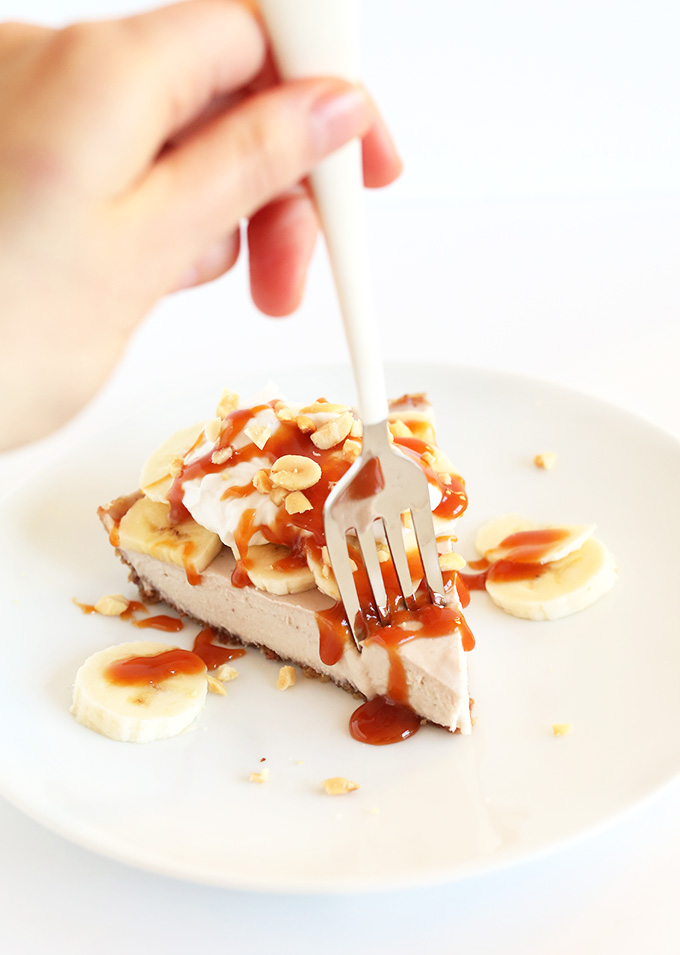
139,692
544,572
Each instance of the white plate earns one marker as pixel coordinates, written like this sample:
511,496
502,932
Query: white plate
435,808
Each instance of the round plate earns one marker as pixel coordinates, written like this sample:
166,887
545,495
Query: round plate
434,808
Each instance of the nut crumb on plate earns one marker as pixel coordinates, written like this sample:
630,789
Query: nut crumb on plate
561,729
225,673
338,785
215,685
112,605
546,460
286,678
260,777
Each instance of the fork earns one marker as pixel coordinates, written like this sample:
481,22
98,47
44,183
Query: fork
321,37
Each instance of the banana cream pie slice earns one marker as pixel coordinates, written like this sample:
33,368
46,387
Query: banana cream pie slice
227,527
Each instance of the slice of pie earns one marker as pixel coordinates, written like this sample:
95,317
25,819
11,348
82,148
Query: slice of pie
227,527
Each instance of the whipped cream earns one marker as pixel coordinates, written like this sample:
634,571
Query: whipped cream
219,501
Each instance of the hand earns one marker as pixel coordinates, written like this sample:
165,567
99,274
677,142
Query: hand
130,151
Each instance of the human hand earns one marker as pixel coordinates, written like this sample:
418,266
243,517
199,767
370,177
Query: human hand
129,154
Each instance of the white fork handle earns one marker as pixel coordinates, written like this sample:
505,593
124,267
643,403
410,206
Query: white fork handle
321,38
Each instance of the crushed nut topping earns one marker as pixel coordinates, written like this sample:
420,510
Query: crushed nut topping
546,460
215,685
213,429
286,678
297,503
278,495
260,777
295,472
228,402
305,423
338,785
333,432
112,605
258,434
351,449
262,482
561,729
222,455
225,673
283,412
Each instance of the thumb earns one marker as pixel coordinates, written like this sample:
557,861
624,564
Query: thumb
239,161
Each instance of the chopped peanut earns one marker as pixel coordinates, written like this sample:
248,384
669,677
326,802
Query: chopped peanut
561,729
546,460
215,685
283,412
295,472
262,482
286,678
333,432
305,423
297,503
351,449
338,785
260,777
112,605
213,430
221,455
278,495
225,673
258,434
228,402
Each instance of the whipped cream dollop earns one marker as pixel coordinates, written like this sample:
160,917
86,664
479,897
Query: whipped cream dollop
209,500
227,494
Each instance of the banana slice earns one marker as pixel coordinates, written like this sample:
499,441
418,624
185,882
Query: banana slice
146,529
161,706
497,540
265,575
494,531
157,474
541,545
563,587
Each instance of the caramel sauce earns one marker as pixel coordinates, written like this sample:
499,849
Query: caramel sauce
428,620
368,481
454,498
161,621
381,721
137,671
213,654
242,490
86,608
525,549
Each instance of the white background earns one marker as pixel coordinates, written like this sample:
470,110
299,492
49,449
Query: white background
535,229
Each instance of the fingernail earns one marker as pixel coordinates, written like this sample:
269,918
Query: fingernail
337,117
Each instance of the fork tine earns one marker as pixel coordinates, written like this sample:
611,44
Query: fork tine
344,577
369,554
395,541
423,525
